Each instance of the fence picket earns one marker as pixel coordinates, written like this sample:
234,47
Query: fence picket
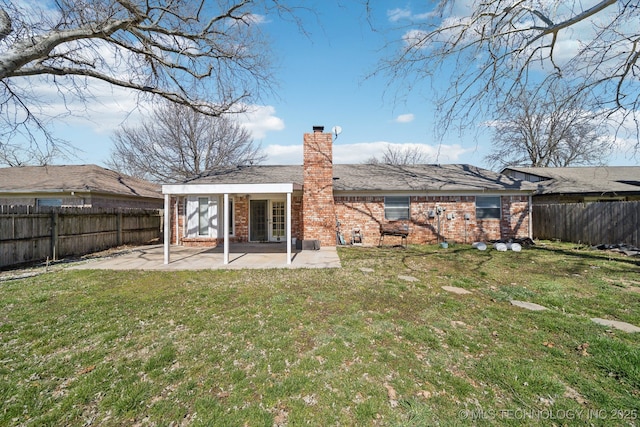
591,223
28,234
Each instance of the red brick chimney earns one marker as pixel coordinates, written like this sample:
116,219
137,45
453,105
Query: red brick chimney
318,211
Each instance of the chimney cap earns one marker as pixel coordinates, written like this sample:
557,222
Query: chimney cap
318,128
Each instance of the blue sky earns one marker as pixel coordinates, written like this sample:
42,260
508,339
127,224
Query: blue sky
321,80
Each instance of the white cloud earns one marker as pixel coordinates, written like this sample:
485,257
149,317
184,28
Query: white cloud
395,15
283,154
260,119
363,151
254,18
103,109
398,14
405,118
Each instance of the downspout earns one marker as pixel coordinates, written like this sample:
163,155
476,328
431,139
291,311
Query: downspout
530,217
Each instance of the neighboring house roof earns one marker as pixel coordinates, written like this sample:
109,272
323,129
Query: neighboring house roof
376,177
598,180
78,178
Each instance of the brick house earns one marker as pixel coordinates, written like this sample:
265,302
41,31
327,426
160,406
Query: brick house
262,203
580,184
78,186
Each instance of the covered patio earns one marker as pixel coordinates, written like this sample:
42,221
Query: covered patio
225,191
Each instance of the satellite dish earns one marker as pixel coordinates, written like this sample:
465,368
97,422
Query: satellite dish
336,130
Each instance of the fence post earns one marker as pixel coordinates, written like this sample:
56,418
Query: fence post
119,227
54,235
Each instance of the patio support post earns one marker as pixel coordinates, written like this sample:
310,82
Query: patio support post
167,226
177,224
226,228
288,228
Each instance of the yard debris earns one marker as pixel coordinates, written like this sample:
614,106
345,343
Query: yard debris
503,245
623,248
424,394
310,399
393,396
87,370
223,394
582,349
572,394
548,344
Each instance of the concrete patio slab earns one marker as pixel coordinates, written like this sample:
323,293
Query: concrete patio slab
241,256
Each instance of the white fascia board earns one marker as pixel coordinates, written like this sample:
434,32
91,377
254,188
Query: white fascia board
184,189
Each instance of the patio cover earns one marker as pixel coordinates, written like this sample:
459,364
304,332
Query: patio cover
225,190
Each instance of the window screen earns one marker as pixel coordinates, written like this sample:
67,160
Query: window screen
396,208
488,207
203,216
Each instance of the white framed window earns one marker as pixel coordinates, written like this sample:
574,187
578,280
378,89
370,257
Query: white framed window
55,203
203,216
396,208
488,207
278,219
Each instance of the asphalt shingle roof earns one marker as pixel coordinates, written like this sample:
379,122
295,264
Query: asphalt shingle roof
378,177
599,179
80,178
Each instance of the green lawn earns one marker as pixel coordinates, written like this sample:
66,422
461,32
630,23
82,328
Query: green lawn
329,347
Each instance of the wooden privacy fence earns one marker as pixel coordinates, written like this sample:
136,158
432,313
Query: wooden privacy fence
591,223
29,234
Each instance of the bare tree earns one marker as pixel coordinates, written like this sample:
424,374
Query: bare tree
206,54
177,143
481,53
401,155
30,152
541,131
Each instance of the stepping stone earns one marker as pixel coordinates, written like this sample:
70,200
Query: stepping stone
409,278
367,270
528,305
623,326
456,290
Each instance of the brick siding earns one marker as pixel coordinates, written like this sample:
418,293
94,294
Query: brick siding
367,214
